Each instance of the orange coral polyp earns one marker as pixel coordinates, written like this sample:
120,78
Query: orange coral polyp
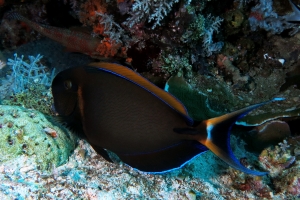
107,44
98,29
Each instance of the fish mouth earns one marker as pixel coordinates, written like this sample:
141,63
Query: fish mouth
66,118
73,122
56,113
53,110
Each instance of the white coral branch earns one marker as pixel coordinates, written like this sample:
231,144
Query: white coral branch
2,64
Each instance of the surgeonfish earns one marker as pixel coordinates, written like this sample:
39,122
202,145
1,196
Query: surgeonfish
116,109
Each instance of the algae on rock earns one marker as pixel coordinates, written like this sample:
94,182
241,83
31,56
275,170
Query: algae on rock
201,104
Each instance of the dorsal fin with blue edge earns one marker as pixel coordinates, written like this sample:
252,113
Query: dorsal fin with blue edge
218,136
137,79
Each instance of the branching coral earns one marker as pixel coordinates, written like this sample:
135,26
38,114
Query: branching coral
111,28
26,73
27,84
95,14
208,44
2,64
153,11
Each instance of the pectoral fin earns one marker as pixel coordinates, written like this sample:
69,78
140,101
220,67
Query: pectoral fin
102,152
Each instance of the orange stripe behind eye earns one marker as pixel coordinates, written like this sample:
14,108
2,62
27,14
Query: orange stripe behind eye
80,102
141,81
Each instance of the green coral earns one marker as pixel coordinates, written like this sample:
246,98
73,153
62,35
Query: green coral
23,132
196,29
196,6
211,97
177,64
223,98
196,103
36,97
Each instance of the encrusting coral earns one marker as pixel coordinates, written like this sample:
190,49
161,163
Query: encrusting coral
22,133
284,168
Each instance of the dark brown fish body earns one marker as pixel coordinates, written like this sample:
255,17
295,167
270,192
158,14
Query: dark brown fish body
123,110
149,129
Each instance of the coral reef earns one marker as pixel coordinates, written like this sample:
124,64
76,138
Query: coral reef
284,169
220,98
87,175
216,57
276,159
22,134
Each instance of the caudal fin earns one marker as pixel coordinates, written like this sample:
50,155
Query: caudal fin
218,136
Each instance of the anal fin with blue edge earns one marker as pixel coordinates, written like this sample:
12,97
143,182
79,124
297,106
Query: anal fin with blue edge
166,159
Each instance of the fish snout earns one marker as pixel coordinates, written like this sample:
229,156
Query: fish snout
54,110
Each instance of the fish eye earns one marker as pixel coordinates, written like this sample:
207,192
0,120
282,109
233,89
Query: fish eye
67,84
